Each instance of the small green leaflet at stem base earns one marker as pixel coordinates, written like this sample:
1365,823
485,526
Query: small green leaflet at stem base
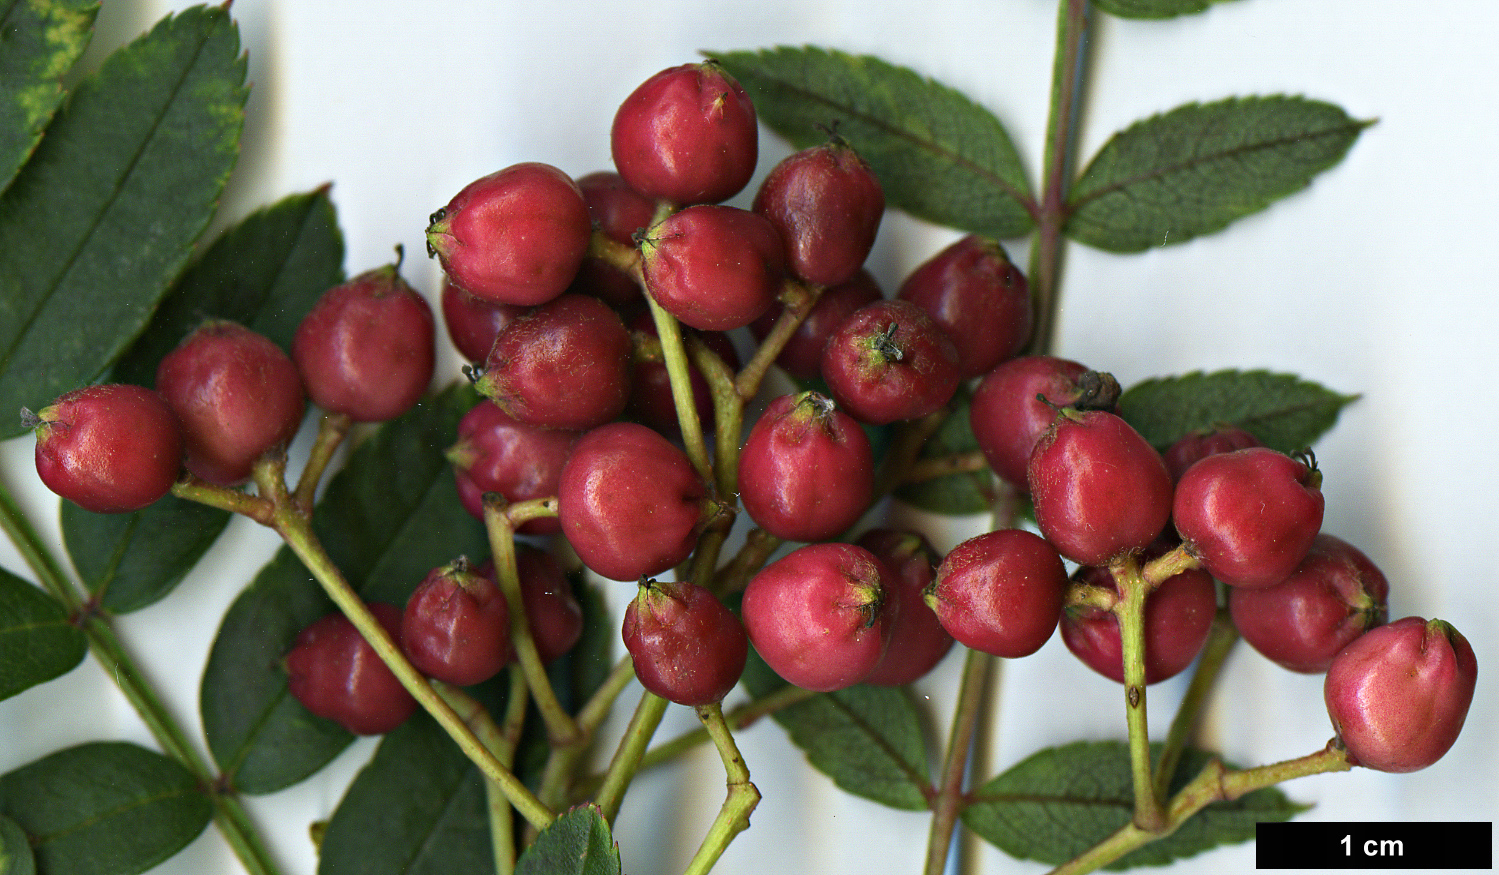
42,42
578,842
105,808
1059,802
1195,169
131,560
937,154
1282,411
103,217
37,641
15,851
1153,8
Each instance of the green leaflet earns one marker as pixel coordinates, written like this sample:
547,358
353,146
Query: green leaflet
1195,169
104,215
37,642
15,852
130,560
1153,8
1283,411
1062,801
104,808
42,42
937,154
578,842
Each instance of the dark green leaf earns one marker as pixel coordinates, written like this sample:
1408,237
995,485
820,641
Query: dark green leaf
390,516
15,851
937,154
37,643
1199,167
1283,411
129,560
417,808
966,492
1064,800
102,218
578,842
264,273
1153,8
104,808
42,40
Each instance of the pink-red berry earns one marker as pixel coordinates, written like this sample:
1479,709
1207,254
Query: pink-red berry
110,448
889,361
973,291
337,675
827,204
686,646
1000,592
806,472
456,626
713,267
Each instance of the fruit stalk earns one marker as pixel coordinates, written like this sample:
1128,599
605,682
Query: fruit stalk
675,353
631,751
1130,611
502,742
743,796
1221,640
948,803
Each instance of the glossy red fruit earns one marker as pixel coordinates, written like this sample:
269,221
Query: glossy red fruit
456,626
713,267
1008,418
1335,595
337,675
973,291
496,453
1399,694
368,346
889,361
1190,448
619,212
237,395
917,640
806,471
1178,617
473,323
651,399
801,357
630,502
553,614
565,364
827,204
1099,489
687,647
515,236
821,616
1000,592
110,448
1250,515
687,135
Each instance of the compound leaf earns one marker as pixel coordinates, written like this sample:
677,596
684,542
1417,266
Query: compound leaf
37,642
1197,168
42,42
578,842
130,560
938,155
1283,411
104,215
1153,8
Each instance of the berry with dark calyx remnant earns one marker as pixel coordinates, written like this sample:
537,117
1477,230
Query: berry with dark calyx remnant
889,361
516,236
1335,595
1178,617
473,323
110,448
917,640
1190,448
1398,695
1008,415
367,348
821,615
456,626
496,453
806,471
973,291
687,135
337,675
565,364
686,646
826,203
237,395
1000,592
713,267
801,357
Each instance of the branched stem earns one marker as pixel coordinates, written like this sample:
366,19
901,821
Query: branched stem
1221,639
631,750
1130,611
743,796
947,804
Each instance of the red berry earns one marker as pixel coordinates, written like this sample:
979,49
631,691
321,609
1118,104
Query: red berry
473,323
1099,489
1398,695
1007,416
889,361
687,647
1190,448
1178,617
456,626
552,612
651,399
619,212
687,135
973,291
515,236
801,357
495,453
630,502
367,348
1250,515
110,448
1000,592
826,204
237,395
564,364
337,675
917,640
821,616
806,471
1335,595
713,267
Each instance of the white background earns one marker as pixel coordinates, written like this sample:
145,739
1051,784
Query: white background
1379,279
